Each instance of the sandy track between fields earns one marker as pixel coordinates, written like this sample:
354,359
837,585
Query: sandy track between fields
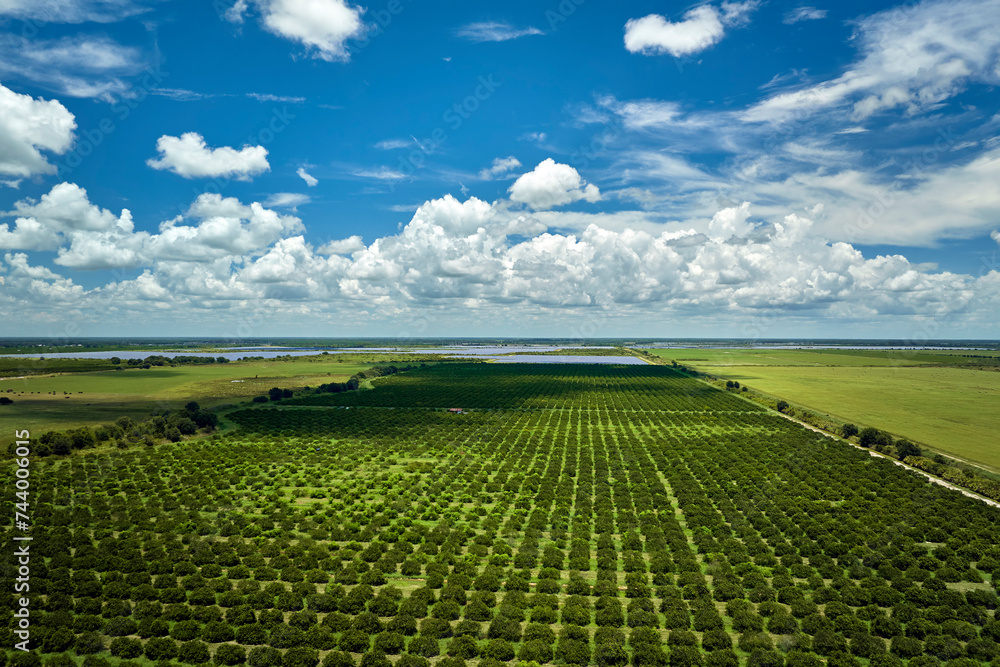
936,480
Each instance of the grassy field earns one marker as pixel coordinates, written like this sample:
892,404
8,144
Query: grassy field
949,409
67,401
739,357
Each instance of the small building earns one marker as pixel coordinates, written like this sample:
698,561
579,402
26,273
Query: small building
456,410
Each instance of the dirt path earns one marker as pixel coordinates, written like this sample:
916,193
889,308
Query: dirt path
932,478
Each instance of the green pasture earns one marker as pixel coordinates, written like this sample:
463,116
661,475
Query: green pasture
741,357
952,410
66,401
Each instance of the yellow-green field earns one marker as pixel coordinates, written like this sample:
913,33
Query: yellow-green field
88,398
950,409
740,357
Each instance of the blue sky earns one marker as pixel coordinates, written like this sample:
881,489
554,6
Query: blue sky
315,167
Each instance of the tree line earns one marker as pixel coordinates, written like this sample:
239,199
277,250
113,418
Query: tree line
126,432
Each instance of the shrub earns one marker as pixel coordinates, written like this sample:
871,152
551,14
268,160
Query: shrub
375,659
498,649
88,643
715,640
725,658
61,639
435,627
286,636
682,638
126,647
300,657
250,635
608,655
866,646
217,632
342,659
755,641
463,647
842,659
802,659
761,658
982,649
338,622
63,660
161,648
874,438
21,659
573,651
354,641
468,629
264,656
650,655
502,627
906,647
390,643
95,661
229,654
193,652
535,650
423,646
685,656
885,660
120,627
940,646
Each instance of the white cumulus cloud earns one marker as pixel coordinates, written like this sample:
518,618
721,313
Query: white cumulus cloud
322,26
342,246
28,126
190,157
552,184
85,235
701,28
460,259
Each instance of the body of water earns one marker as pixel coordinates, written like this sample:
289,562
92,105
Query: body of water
566,359
234,353
232,356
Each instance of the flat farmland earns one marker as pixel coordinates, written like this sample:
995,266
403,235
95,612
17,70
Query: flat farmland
67,401
950,409
825,357
571,515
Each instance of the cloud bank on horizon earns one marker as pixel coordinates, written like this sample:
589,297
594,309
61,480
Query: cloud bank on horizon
483,189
